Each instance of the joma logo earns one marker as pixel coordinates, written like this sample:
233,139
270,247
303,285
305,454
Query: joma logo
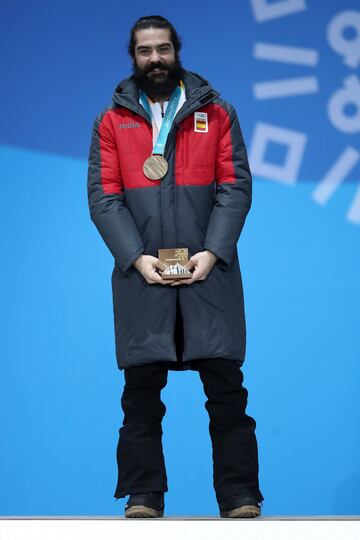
130,125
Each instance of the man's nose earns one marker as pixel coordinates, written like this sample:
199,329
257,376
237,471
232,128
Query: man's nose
154,57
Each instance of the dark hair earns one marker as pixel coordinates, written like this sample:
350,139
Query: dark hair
153,21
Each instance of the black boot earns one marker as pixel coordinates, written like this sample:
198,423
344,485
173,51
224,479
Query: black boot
239,506
145,505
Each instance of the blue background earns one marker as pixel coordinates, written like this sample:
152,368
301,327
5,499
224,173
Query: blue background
60,387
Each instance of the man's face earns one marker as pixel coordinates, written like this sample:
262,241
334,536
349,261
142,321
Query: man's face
155,66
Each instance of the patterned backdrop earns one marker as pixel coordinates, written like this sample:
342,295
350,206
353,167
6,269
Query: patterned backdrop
291,69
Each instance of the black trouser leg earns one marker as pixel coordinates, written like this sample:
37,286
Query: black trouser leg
140,458
232,431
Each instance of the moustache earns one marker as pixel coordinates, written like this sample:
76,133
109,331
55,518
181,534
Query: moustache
157,66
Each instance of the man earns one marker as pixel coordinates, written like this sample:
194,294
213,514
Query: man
168,168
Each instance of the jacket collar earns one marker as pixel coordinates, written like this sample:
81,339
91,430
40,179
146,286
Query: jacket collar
198,93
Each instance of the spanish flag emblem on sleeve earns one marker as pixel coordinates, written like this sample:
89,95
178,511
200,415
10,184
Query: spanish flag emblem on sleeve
201,122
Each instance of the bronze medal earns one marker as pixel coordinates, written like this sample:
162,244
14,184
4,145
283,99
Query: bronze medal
155,167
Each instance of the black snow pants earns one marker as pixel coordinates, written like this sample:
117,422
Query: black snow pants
140,458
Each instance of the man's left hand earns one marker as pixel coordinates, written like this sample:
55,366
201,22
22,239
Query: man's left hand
203,261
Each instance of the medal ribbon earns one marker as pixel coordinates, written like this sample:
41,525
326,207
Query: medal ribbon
159,146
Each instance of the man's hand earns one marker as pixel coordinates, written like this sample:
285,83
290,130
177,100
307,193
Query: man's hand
203,261
146,265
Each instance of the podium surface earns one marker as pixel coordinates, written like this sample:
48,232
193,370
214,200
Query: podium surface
180,527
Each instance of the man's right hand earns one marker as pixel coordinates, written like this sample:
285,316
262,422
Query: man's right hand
146,265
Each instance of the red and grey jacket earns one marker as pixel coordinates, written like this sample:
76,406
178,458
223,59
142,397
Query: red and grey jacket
203,200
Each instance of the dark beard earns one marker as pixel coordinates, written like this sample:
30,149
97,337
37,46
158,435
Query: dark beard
160,86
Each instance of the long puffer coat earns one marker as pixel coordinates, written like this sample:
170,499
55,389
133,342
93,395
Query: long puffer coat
201,204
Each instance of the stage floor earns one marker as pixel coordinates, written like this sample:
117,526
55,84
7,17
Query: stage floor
179,527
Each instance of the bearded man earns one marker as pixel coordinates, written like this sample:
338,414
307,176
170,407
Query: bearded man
168,170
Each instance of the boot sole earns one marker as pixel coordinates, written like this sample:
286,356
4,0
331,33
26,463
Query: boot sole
140,511
246,511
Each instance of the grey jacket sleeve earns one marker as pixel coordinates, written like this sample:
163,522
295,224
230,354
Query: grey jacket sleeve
234,192
106,197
